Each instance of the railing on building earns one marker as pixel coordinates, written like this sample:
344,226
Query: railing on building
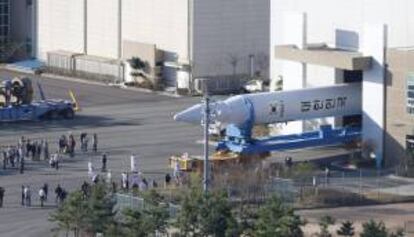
85,66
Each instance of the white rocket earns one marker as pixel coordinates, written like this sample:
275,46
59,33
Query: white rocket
282,106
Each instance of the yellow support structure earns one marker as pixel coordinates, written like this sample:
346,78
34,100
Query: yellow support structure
75,101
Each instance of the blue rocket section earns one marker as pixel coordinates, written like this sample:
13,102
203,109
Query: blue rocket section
239,139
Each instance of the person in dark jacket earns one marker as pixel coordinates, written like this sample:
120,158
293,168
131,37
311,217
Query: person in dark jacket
2,190
104,160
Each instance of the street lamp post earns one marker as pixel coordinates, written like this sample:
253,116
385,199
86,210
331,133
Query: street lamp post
206,139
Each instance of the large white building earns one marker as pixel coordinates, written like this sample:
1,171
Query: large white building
323,42
215,37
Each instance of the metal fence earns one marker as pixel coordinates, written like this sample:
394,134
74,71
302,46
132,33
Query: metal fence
130,201
85,66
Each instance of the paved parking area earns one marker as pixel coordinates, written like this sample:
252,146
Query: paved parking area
126,122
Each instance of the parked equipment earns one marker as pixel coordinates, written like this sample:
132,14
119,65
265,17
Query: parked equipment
17,104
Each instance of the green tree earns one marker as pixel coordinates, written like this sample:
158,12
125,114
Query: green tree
71,214
206,214
324,224
78,214
216,217
187,219
374,229
277,220
133,223
346,229
155,213
100,206
136,63
148,221
378,229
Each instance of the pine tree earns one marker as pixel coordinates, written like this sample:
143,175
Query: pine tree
324,224
378,229
216,217
346,229
374,229
71,214
277,220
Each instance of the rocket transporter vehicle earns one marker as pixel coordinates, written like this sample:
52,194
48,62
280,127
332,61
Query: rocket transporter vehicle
17,104
240,113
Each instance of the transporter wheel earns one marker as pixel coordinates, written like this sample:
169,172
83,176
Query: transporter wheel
68,114
53,115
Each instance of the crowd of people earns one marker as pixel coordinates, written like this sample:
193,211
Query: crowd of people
36,150
14,156
26,195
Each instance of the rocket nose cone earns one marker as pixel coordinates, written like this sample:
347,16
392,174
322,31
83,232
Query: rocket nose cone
190,115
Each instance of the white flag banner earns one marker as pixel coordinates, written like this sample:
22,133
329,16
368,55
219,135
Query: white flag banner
134,163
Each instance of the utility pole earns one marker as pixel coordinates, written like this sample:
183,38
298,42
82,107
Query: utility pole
206,179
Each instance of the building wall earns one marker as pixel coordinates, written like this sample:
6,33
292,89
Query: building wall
230,29
399,122
60,26
160,22
4,20
103,28
341,23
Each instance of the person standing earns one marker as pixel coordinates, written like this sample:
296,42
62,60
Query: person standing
21,167
54,162
42,196
58,193
85,189
28,147
22,202
34,150
95,142
104,160
2,190
46,150
109,177
39,150
124,181
46,189
167,180
83,141
4,160
20,152
27,196
90,169
72,145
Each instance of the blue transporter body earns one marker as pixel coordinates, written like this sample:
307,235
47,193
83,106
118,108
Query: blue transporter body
16,103
235,141
38,110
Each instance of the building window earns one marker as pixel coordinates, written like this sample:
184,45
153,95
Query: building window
410,94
